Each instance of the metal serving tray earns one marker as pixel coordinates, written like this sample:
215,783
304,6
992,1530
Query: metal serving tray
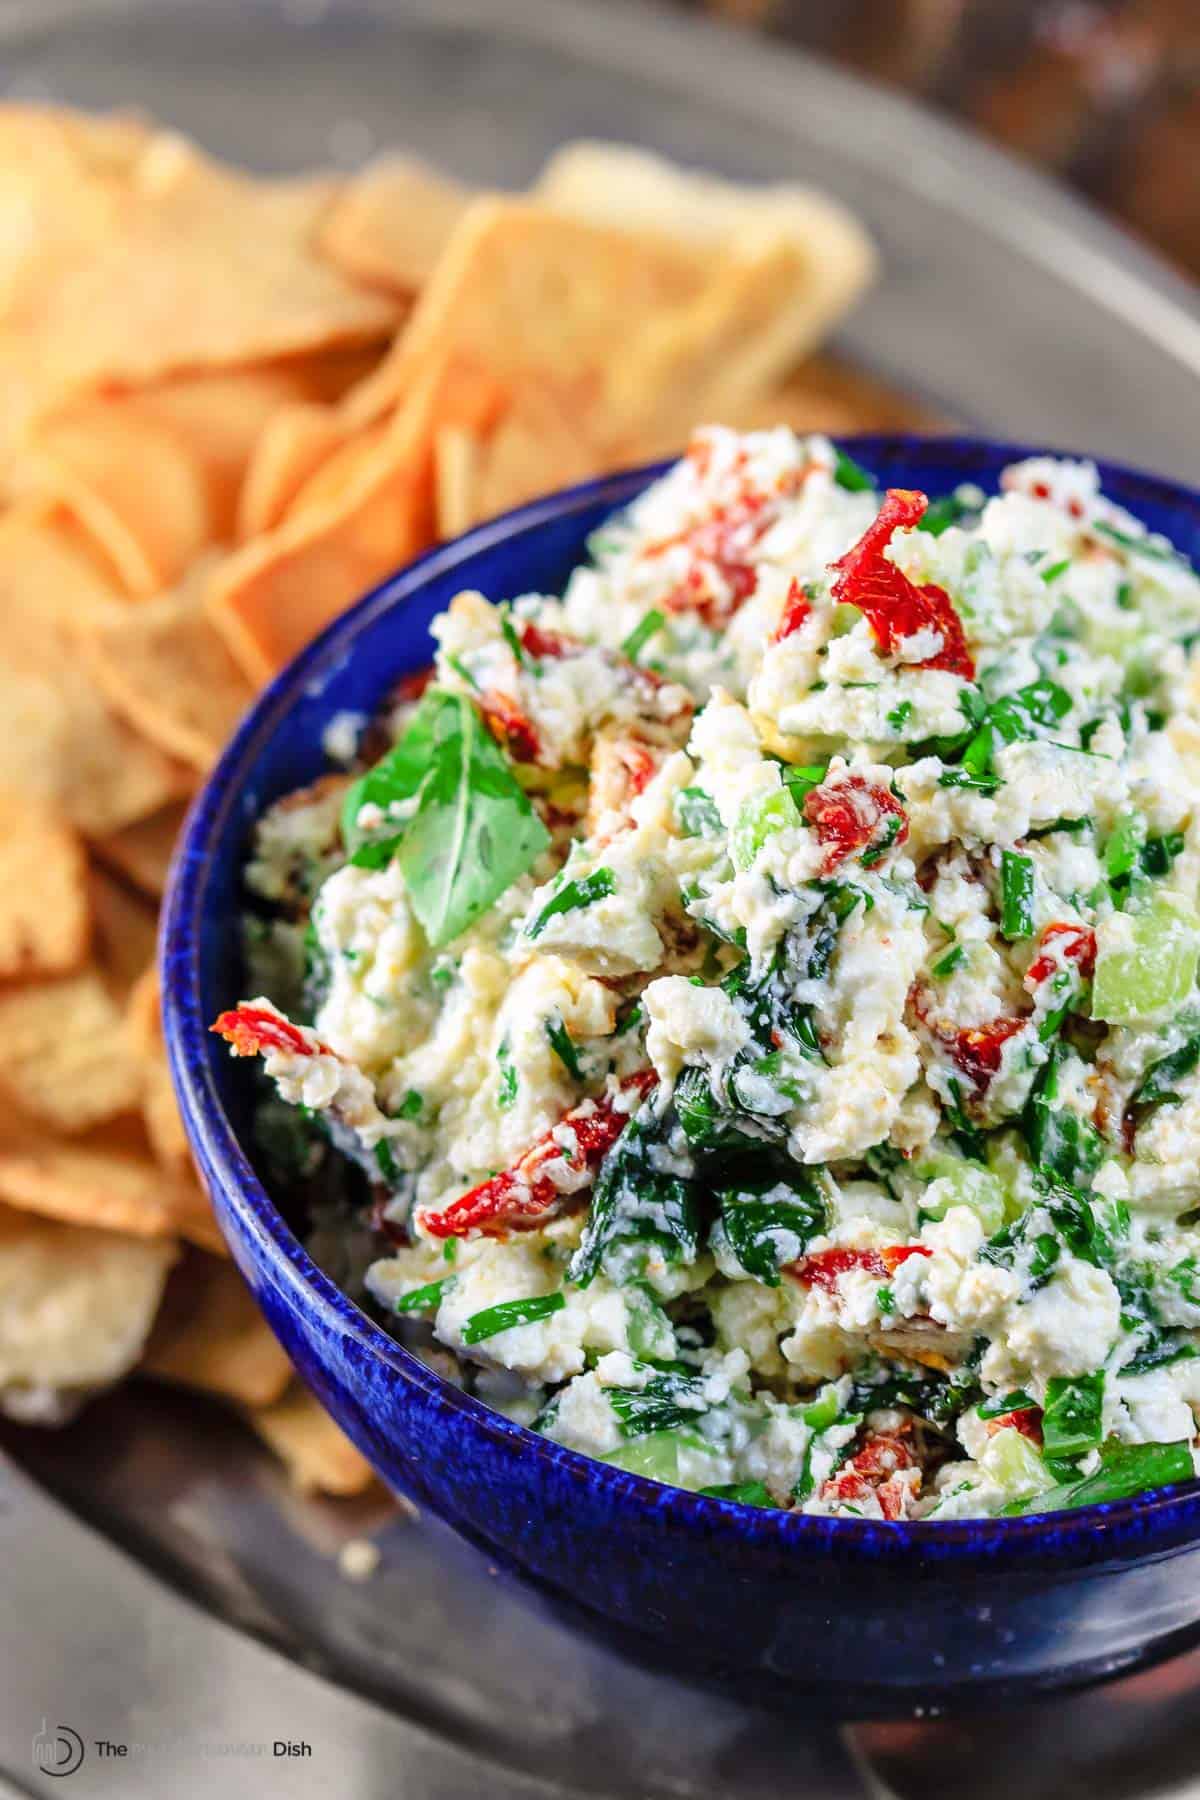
161,1586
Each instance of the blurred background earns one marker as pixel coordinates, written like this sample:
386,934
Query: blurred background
1104,94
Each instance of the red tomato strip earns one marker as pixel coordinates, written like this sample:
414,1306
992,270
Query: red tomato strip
522,1197
254,1030
895,607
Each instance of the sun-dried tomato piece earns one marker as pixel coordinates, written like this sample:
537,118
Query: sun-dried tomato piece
525,1196
510,725
853,815
895,607
542,644
824,1268
255,1030
975,1049
411,687
796,609
873,1472
1025,1419
1076,943
722,573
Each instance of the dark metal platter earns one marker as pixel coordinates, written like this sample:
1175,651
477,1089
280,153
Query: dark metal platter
162,1585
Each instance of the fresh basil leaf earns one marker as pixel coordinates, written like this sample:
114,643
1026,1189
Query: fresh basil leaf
999,1404
474,832
465,831
667,1400
563,1046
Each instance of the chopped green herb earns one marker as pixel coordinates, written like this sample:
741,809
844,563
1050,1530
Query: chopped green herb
563,1046
943,512
1015,1401
953,959
1125,1470
506,1092
746,1493
697,813
511,638
900,715
1160,1085
1072,1416
572,896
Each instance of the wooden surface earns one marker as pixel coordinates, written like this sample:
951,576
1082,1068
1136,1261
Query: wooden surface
1104,93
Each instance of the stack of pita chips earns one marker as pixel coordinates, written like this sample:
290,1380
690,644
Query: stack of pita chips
228,406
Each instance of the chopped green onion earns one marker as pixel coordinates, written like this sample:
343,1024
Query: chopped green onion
494,1319
427,1298
641,634
1055,570
386,1162
511,639
1016,895
851,475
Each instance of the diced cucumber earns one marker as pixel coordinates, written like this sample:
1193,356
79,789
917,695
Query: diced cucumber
760,818
650,1332
955,1182
1013,1463
676,1456
1146,961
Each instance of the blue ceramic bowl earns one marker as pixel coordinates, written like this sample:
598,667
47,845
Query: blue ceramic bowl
857,1617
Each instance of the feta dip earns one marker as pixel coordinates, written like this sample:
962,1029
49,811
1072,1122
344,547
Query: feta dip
740,1015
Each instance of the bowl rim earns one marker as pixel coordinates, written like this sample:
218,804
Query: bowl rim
1023,1542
